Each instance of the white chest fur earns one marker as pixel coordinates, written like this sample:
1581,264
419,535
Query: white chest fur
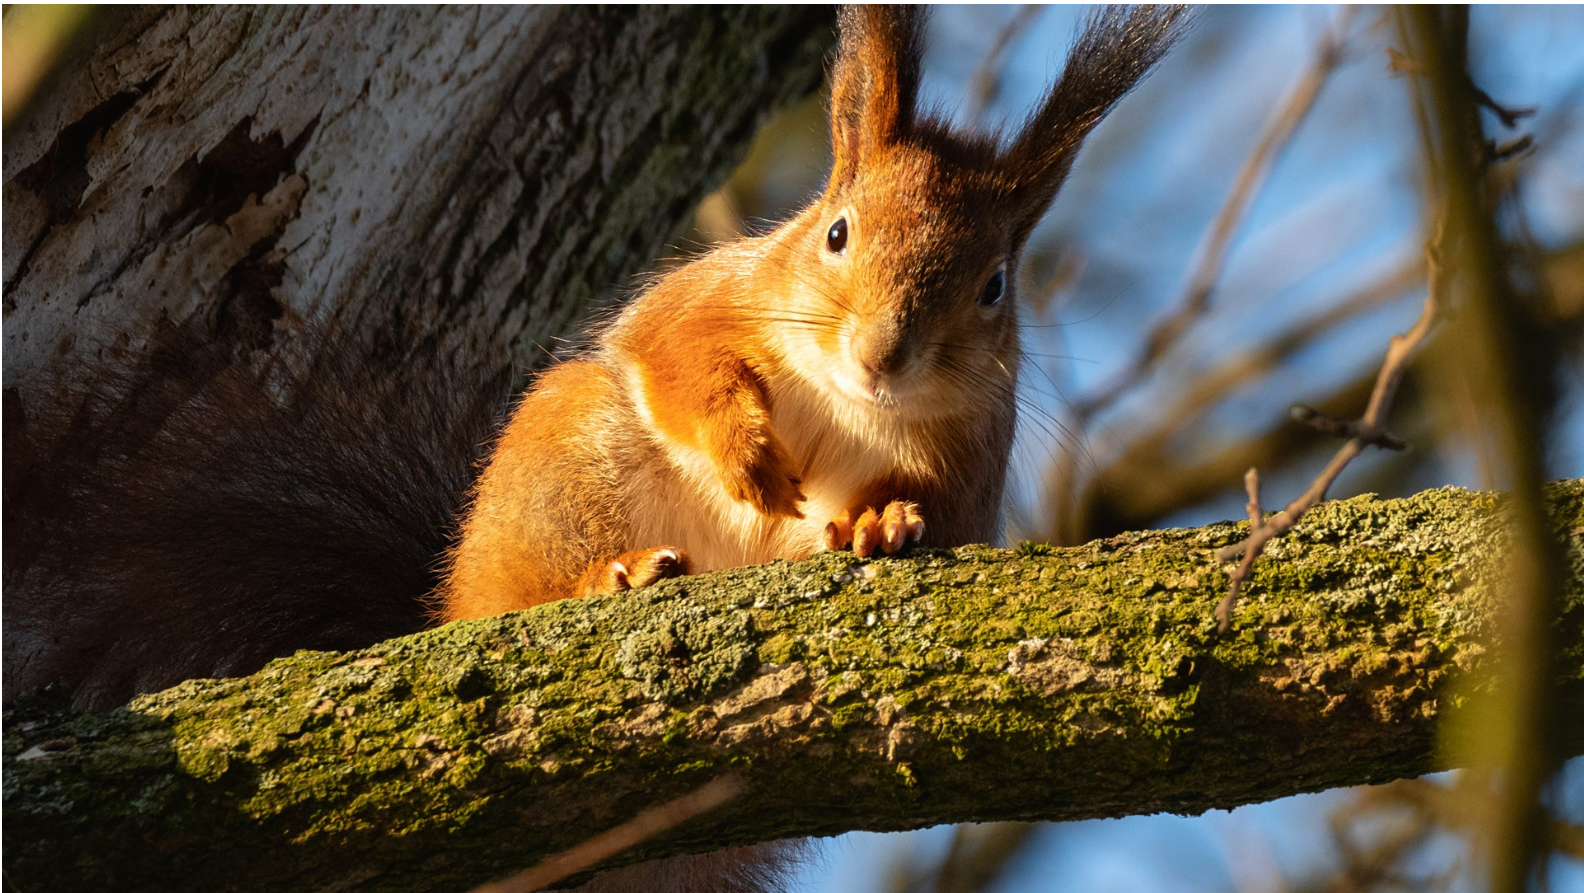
840,450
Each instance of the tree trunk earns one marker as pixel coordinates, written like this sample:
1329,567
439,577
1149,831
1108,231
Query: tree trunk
478,177
974,685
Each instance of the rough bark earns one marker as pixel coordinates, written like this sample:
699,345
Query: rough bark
944,687
479,177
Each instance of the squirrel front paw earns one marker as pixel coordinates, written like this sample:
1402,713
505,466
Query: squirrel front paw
765,480
634,570
900,524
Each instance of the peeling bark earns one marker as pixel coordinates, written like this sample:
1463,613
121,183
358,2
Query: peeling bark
970,685
479,177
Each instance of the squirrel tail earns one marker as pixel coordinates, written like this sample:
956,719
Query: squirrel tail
189,517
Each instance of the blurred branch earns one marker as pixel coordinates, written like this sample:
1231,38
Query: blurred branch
1568,838
985,82
1157,471
1195,301
1141,476
1503,362
977,858
1403,819
1376,835
1152,480
642,827
1205,390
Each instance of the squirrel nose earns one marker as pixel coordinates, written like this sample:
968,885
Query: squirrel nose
883,350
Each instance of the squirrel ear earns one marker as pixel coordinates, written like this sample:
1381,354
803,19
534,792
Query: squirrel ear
1117,48
874,86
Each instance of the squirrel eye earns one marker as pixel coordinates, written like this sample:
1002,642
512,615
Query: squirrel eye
993,289
836,238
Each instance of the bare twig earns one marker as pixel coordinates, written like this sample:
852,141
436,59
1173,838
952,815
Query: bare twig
1152,444
1256,515
1155,478
1195,301
1399,825
1508,115
1495,152
1368,430
1343,428
1401,63
1160,467
623,837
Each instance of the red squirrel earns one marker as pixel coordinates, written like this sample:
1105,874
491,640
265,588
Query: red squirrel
847,379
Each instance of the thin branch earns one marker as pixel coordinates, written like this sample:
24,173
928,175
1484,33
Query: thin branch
1429,807
1508,115
1145,497
1159,467
1256,515
980,855
879,695
1401,63
623,837
1195,302
1343,429
1368,430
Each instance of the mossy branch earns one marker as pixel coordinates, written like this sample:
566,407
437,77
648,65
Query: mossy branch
944,687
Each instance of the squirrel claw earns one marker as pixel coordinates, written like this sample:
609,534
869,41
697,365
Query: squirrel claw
900,524
838,533
635,570
889,531
767,485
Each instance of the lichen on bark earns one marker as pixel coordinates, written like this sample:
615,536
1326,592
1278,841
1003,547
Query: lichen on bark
975,684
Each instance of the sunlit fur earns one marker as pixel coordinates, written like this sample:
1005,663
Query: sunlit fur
737,384
747,399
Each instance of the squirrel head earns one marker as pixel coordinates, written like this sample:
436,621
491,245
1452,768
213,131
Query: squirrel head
905,268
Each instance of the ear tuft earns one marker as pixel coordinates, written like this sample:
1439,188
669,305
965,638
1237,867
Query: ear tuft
1117,48
874,85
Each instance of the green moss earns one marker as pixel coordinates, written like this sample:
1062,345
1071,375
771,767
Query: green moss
1030,549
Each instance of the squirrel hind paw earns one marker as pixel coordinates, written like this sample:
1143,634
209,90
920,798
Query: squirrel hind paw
635,570
889,531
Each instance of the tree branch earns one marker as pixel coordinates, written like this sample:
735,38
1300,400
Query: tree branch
972,685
